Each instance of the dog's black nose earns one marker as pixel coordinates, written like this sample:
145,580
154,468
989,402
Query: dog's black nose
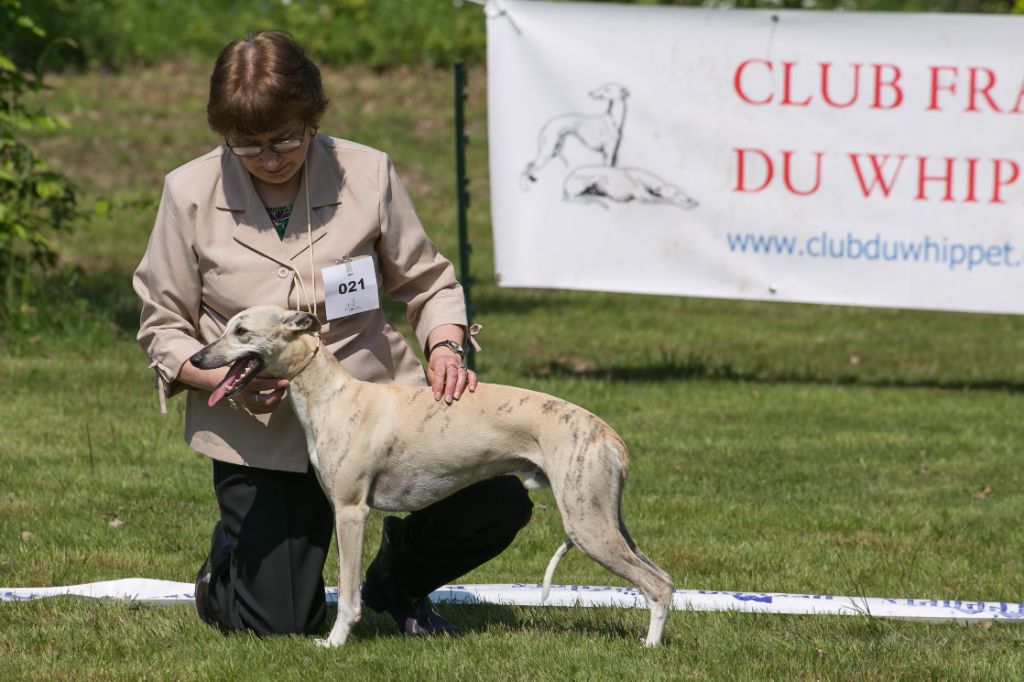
196,359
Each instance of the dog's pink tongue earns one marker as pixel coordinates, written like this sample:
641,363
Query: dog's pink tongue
236,370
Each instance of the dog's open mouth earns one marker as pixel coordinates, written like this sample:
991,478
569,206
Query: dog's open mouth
240,374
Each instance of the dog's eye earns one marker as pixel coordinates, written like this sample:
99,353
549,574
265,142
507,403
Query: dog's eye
241,331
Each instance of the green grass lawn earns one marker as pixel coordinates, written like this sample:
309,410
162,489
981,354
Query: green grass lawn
774,447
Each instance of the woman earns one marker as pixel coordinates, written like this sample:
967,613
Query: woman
264,218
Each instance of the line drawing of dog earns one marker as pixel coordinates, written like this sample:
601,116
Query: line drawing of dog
592,184
601,133
394,448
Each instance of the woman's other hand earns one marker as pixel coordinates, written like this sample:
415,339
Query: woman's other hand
449,376
262,395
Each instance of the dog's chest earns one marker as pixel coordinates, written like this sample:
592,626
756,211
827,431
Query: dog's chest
300,406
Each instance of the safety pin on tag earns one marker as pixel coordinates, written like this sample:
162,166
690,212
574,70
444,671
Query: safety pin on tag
347,262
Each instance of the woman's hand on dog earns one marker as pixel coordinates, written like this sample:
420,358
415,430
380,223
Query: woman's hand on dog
446,370
263,394
449,376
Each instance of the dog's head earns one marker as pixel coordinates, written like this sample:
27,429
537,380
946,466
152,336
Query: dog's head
263,337
610,92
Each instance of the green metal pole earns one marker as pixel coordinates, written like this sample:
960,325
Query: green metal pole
462,194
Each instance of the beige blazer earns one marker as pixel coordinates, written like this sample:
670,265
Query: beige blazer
214,252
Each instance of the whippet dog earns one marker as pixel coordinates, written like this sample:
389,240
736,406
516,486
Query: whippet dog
594,184
395,448
601,133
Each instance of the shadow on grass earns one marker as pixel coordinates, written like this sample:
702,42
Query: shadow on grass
483,618
472,619
606,622
675,369
108,295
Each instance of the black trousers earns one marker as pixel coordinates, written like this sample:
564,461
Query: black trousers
276,528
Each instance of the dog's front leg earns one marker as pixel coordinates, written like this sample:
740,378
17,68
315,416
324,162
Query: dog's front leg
349,522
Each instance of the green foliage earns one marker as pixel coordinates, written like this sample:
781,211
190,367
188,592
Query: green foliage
377,33
34,200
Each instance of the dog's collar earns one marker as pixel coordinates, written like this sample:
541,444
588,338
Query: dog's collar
309,359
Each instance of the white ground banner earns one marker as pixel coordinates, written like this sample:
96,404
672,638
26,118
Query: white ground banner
168,592
826,157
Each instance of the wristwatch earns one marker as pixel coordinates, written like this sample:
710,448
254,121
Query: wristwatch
450,345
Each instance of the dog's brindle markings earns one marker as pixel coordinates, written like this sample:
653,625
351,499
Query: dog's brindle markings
395,448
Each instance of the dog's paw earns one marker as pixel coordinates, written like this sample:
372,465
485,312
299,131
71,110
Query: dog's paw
331,642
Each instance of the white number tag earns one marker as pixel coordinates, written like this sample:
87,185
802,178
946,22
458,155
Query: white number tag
350,288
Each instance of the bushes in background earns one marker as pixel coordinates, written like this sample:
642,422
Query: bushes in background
35,201
378,33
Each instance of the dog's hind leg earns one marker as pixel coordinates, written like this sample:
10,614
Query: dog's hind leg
659,596
349,521
593,521
602,541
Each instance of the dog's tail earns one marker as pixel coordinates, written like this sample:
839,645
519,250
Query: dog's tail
559,553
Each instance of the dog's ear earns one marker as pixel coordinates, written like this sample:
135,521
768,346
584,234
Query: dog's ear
302,322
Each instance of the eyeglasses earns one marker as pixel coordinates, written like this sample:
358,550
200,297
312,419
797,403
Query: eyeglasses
249,151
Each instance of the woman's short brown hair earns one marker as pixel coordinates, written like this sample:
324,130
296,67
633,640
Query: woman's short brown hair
262,83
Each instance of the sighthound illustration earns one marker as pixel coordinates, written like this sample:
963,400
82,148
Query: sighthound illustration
595,184
601,133
606,182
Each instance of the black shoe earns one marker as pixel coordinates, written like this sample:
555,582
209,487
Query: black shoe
380,593
423,619
220,553
203,593
417,617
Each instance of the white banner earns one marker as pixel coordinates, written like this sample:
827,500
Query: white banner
826,157
166,592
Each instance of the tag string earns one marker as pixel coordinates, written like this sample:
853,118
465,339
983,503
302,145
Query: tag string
310,304
309,233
